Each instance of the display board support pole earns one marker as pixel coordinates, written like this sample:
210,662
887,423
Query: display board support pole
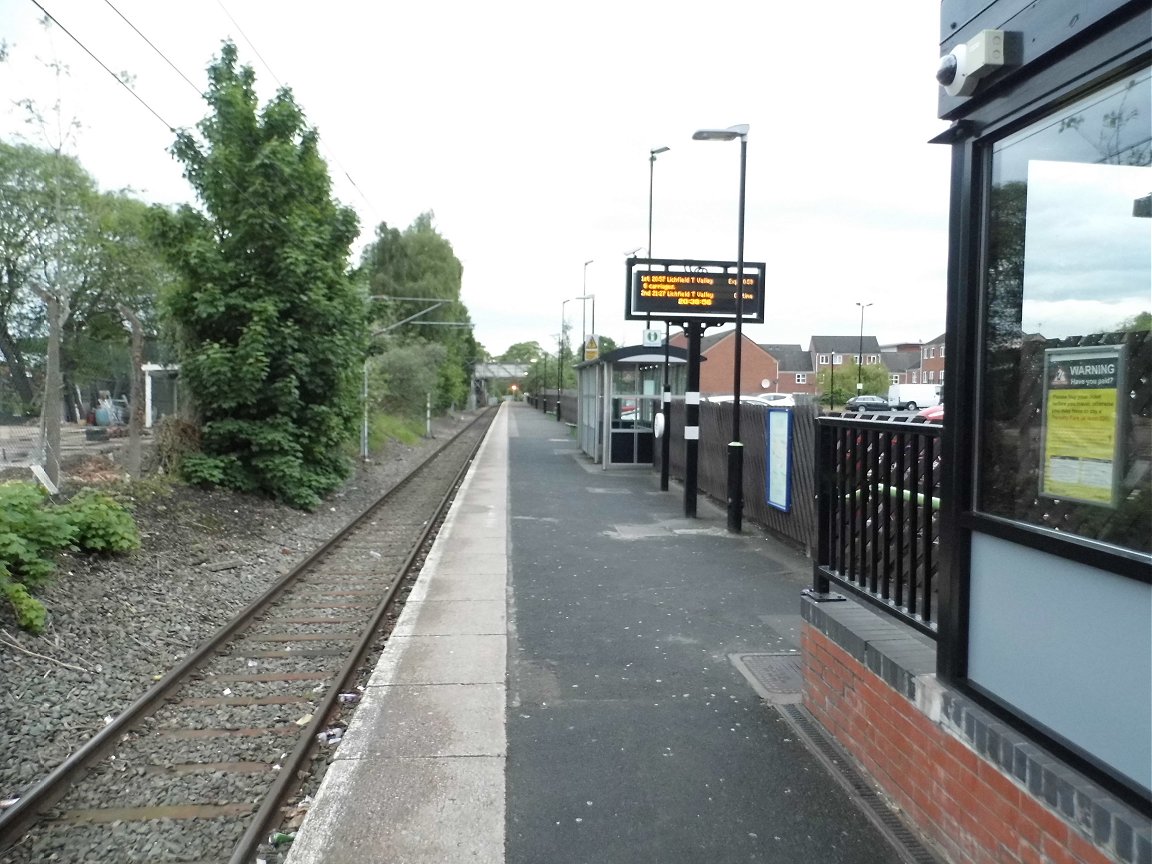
692,418
666,407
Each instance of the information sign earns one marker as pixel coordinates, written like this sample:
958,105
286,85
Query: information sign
686,290
1081,423
778,480
592,348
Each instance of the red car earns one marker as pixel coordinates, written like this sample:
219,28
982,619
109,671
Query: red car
933,413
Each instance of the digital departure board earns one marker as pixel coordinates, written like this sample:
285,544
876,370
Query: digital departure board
679,290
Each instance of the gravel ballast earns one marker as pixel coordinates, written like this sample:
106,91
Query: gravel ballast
115,625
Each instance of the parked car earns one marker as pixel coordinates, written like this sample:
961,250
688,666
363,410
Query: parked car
774,400
867,403
913,397
777,400
934,413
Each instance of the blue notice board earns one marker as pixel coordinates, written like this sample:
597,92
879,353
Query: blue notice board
778,458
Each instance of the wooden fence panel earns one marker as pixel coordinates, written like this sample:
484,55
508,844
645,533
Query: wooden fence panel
798,525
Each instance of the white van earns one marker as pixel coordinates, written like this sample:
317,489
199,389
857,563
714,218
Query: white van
913,397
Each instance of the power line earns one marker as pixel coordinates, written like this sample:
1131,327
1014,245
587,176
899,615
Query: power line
240,30
117,78
143,102
163,56
256,51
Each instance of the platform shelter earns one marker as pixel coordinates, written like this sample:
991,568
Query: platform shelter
619,397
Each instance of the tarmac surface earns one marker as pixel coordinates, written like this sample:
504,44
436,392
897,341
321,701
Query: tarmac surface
563,686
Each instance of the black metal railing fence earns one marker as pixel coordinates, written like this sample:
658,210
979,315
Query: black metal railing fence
877,522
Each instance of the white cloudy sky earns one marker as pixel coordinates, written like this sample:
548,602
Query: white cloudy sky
526,128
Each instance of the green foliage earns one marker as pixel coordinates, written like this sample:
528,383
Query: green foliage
522,352
401,377
102,523
46,201
270,327
30,612
389,427
33,530
419,262
1140,321
30,532
200,469
842,381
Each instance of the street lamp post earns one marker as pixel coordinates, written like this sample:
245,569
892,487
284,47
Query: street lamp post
860,354
735,447
653,153
560,354
666,401
560,359
583,309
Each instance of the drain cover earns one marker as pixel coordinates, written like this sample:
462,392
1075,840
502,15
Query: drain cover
778,678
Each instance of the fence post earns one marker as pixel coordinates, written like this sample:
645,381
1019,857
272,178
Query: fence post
824,472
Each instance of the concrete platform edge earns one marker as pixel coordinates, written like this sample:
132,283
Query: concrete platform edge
442,799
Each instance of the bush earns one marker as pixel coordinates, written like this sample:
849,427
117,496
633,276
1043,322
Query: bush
32,531
102,523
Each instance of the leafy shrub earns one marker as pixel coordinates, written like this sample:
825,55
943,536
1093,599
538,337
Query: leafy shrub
32,531
102,523
201,470
30,613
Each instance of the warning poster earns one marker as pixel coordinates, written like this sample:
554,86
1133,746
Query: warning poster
1081,428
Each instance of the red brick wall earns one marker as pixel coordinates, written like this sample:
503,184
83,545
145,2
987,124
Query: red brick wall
974,812
755,365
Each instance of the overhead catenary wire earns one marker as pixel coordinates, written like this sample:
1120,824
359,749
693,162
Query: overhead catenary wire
102,65
155,113
161,54
260,57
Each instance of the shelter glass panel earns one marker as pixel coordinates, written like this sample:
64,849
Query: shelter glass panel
1065,432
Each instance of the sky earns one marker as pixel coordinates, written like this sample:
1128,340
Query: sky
527,127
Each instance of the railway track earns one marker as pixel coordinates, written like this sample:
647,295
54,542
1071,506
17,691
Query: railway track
196,770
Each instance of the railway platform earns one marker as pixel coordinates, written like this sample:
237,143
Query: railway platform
568,683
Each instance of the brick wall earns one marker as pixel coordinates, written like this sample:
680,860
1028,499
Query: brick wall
755,366
974,810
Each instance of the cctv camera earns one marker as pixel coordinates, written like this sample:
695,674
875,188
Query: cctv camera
962,68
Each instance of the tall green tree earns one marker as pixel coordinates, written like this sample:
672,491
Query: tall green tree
419,263
271,329
45,228
522,352
124,267
841,383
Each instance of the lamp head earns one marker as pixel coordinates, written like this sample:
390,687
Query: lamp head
729,134
657,150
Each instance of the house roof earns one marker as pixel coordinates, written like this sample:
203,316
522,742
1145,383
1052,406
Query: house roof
639,354
939,340
900,361
843,345
790,358
706,342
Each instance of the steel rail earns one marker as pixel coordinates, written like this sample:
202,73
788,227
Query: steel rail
17,819
286,778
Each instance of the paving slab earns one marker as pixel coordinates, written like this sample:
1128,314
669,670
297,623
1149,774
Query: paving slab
633,736
461,586
443,660
428,721
408,811
446,618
